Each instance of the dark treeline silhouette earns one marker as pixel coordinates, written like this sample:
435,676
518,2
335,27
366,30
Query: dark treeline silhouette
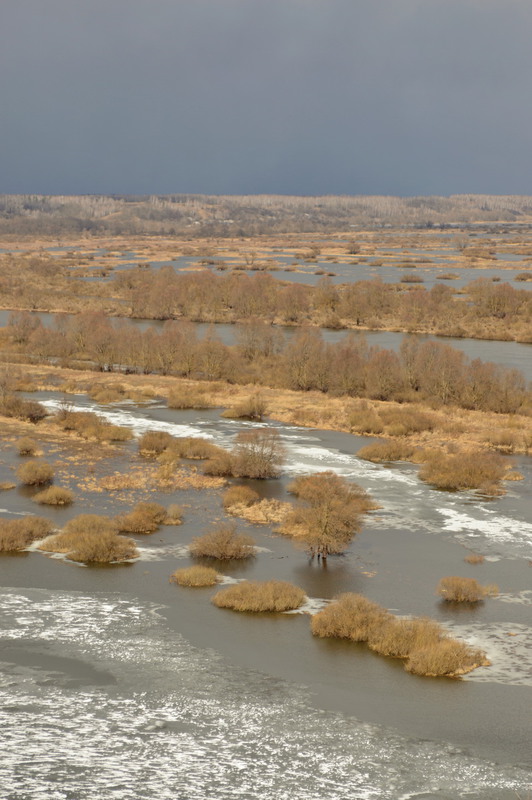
202,215
422,371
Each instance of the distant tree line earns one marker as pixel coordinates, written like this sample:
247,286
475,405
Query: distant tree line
203,215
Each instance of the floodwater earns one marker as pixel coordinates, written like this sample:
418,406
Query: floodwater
116,683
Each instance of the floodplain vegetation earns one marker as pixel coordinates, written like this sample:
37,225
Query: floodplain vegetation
422,643
223,543
90,538
17,534
260,596
196,576
454,589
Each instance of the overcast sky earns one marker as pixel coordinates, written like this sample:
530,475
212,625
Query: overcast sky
266,96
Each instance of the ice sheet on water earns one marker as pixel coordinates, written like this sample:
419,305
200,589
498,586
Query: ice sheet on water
183,723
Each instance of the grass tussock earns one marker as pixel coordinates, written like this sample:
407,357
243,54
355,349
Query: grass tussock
100,548
447,657
383,452
252,408
466,470
474,558
107,393
351,616
187,397
54,496
223,543
421,642
174,515
144,518
27,447
464,590
240,496
196,576
17,534
36,473
153,443
89,425
260,596
193,447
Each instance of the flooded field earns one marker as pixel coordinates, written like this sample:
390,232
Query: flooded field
172,697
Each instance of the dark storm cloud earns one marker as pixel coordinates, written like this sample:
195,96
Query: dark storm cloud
248,96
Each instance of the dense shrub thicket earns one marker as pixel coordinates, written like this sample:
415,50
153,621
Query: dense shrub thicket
223,543
259,596
422,643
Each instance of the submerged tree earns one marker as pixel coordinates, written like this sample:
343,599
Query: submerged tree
330,514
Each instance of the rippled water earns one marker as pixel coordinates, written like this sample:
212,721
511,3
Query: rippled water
166,720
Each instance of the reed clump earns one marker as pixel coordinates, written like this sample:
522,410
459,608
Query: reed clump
183,398
90,538
27,447
35,473
259,596
382,452
454,589
223,542
89,425
240,496
153,443
422,643
351,616
446,658
174,515
54,496
252,408
17,534
466,470
193,447
196,576
144,518
474,558
107,393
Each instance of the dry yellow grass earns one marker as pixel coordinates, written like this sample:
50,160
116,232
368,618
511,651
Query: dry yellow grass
464,590
196,576
422,642
35,473
17,534
239,496
91,546
26,447
447,657
223,543
467,470
54,496
260,596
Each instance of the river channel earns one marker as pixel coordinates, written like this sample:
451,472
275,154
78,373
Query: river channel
117,684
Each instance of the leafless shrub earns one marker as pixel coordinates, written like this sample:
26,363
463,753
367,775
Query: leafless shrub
467,470
26,447
144,518
349,616
35,473
257,454
253,408
92,546
240,496
463,590
224,543
260,596
17,534
153,443
54,496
